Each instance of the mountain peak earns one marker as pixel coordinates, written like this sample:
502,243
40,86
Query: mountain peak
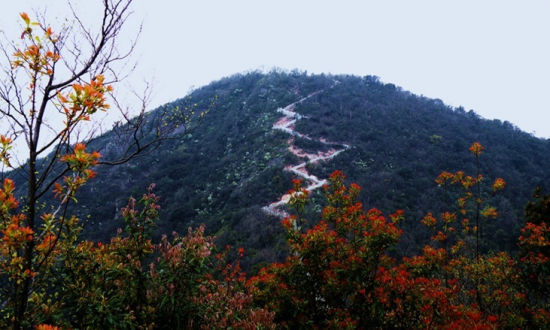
233,170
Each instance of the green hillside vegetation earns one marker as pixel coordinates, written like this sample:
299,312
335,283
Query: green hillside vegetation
456,250
229,166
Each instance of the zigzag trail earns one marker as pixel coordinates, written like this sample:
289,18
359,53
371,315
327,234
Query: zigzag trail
286,124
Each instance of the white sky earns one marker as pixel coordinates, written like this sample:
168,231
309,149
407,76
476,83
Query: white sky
490,56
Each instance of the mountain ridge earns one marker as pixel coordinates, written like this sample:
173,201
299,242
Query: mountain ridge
232,165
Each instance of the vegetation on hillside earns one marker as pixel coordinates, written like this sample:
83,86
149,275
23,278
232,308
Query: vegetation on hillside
338,273
232,165
484,267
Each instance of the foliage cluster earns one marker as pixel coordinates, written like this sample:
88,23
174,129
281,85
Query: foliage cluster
338,273
129,282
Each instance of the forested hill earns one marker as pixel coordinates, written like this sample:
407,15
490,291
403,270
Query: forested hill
224,171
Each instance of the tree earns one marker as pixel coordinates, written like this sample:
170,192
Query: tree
55,82
538,211
331,277
339,274
534,243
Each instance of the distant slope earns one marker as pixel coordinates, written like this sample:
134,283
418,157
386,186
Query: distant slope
232,165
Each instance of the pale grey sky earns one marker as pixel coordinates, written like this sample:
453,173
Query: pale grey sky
490,56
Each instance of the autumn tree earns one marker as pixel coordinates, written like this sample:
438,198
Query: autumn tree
55,82
330,278
339,275
534,255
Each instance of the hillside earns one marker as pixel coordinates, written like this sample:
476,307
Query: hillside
228,169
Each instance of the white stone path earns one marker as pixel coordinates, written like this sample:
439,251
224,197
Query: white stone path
286,124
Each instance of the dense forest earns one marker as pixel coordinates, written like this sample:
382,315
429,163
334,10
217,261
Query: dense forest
231,164
230,208
338,274
445,232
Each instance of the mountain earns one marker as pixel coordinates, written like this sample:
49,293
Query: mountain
230,171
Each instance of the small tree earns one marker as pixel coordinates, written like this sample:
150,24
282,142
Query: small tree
54,83
330,278
473,207
538,211
131,282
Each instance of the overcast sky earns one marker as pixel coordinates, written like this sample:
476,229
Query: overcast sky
490,56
